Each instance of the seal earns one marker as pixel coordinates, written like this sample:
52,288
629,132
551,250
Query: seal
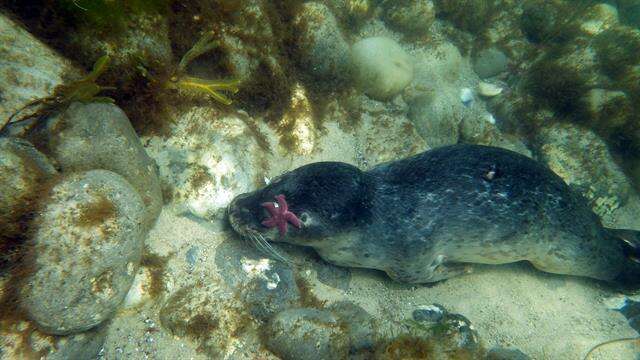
430,216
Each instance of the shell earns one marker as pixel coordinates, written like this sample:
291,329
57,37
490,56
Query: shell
488,89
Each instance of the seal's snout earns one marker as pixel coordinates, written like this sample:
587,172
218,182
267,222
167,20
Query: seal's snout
240,217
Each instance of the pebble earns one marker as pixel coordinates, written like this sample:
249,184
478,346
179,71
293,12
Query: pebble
488,89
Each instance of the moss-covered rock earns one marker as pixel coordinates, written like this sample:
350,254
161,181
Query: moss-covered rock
86,246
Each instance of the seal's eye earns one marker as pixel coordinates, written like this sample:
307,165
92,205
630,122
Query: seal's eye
304,217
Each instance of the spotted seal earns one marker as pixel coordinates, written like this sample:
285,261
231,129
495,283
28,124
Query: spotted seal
428,217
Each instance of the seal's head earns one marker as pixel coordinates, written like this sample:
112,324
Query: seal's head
303,206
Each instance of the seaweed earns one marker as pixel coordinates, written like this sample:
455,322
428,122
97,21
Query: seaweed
180,80
83,90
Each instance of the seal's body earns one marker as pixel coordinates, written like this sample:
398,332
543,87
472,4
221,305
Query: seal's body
425,218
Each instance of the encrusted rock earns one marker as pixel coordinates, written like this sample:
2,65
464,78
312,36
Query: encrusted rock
583,160
87,243
305,333
100,136
21,340
29,69
382,68
23,171
208,159
322,49
490,62
413,17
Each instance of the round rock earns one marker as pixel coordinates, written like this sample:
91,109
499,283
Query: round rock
306,333
490,62
100,136
323,50
87,243
381,67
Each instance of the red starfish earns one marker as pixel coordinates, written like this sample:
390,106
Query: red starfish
280,215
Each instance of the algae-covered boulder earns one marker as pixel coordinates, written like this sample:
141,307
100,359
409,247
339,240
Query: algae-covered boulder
100,136
23,171
306,333
29,69
382,68
322,49
583,160
86,246
413,17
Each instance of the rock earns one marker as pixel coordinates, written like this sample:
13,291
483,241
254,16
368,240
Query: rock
452,334
23,341
100,136
617,50
21,55
413,17
206,313
470,15
265,286
322,49
500,353
599,18
208,159
490,62
583,160
608,110
305,333
143,41
87,243
488,89
382,68
271,288
430,313
358,325
429,115
23,172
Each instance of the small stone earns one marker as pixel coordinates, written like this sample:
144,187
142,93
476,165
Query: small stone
488,89
382,67
500,353
322,49
305,333
490,62
87,243
100,136
429,313
466,96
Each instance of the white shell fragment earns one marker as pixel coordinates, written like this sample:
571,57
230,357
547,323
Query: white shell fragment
488,89
466,96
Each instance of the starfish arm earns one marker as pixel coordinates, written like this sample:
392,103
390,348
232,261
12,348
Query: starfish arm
282,228
293,219
271,222
282,203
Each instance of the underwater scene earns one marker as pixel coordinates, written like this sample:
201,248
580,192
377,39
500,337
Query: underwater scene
328,179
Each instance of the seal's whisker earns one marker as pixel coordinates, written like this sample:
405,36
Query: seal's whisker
262,245
266,248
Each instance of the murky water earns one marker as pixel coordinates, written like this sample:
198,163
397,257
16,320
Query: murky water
255,179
